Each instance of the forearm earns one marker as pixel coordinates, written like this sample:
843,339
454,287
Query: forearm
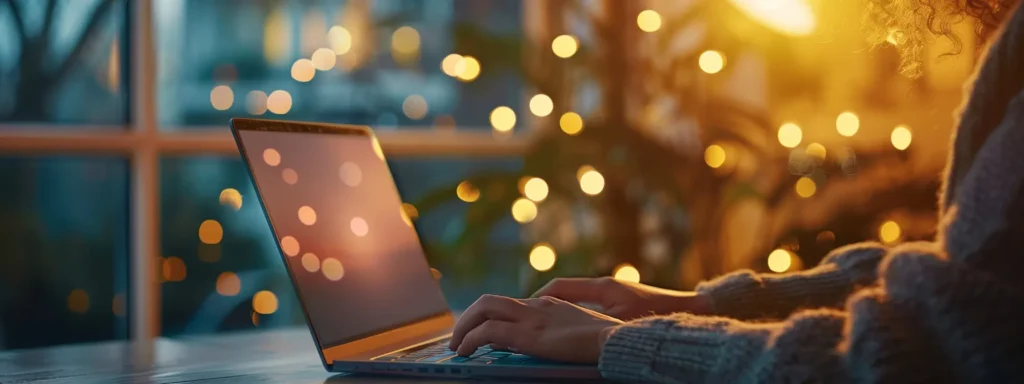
747,295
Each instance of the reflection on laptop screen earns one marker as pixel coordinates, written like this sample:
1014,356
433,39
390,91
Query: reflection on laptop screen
357,263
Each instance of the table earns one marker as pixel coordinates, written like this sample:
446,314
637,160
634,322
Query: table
276,356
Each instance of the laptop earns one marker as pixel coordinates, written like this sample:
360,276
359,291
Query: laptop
369,297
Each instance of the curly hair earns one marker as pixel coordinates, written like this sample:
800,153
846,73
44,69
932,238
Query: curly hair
907,24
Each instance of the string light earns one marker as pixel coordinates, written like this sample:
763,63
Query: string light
503,119
210,232
415,107
790,135
307,215
889,232
221,97
310,262
805,187
780,260
324,59
256,102
467,69
648,20
303,70
405,41
467,192
565,46
173,269
711,62
451,65
816,150
524,210
339,39
714,156
289,246
231,197
541,105
332,269
901,137
535,189
228,284
542,257
571,123
626,272
264,302
279,102
847,124
591,181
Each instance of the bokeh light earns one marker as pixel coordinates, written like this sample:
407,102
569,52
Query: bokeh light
805,187
714,156
415,107
78,301
339,39
901,137
467,69
524,210
467,192
290,246
279,102
221,97
591,181
542,257
565,46
790,135
303,70
816,150
535,189
451,65
405,41
889,232
264,302
409,213
271,157
332,269
711,62
790,17
350,174
626,272
289,176
173,269
310,262
228,284
503,119
231,197
256,102
847,124
359,226
210,232
648,20
324,59
541,105
571,123
307,215
780,260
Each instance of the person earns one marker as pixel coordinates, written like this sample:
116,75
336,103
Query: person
943,311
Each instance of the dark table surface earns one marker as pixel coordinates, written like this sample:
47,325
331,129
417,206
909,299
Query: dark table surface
278,356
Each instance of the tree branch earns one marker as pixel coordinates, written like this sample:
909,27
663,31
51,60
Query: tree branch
19,21
90,29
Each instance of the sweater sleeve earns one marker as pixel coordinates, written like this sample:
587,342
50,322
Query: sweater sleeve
748,295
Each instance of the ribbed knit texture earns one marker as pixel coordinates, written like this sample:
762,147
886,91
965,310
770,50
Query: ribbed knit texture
948,311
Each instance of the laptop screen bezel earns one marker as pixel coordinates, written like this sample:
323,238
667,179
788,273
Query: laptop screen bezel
428,325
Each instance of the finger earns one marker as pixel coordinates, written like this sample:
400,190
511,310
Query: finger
574,289
487,307
489,332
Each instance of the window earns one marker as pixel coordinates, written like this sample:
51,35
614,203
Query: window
133,215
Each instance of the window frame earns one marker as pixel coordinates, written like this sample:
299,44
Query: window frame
142,143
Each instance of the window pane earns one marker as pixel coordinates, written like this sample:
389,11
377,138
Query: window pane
63,270
219,252
63,61
221,59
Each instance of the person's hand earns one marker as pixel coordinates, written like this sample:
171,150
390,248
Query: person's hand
625,300
544,327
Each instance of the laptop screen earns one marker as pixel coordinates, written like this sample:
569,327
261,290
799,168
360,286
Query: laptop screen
355,258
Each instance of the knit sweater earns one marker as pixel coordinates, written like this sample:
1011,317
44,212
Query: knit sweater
945,311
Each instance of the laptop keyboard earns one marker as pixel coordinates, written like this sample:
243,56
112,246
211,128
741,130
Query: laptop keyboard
439,353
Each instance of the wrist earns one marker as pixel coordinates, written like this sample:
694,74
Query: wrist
604,335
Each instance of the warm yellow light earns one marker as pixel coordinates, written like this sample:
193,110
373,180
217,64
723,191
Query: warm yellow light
451,65
409,213
901,137
536,189
896,37
307,215
648,20
780,260
256,102
889,232
847,124
542,257
210,232
791,17
324,59
565,46
377,148
790,135
805,187
405,41
359,226
173,269
303,70
711,61
279,102
627,272
591,182
289,176
332,269
541,105
714,156
571,123
228,284
816,150
503,119
467,69
78,301
415,107
290,246
310,262
264,302
271,157
467,192
340,39
221,97
524,210
231,197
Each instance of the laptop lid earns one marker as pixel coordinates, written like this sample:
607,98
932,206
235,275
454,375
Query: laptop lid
354,258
